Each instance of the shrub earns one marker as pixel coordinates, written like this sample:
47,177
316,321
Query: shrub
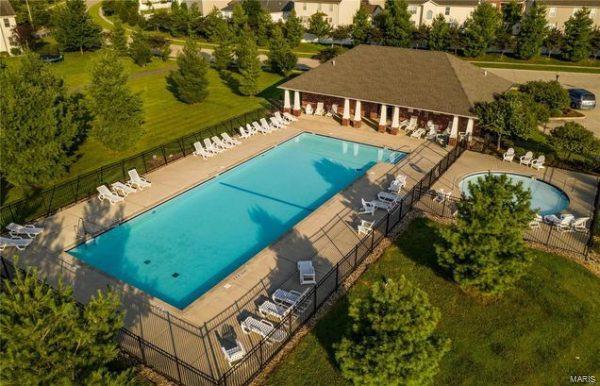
330,53
550,94
572,138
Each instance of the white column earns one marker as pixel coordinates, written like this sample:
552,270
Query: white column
469,132
396,118
346,113
454,130
297,106
357,112
383,116
286,101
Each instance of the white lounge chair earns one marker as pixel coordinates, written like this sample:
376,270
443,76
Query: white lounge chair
562,223
432,133
122,189
261,129
29,230
365,227
580,224
227,138
282,118
418,133
219,143
243,133
251,129
291,298
200,152
233,350
526,159
263,328
333,110
390,198
307,272
320,110
266,125
383,205
412,124
268,308
308,110
136,181
211,147
275,123
398,183
290,117
280,121
16,242
441,196
105,194
538,163
509,155
535,223
367,207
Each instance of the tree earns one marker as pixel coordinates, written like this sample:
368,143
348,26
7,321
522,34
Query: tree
512,114
578,32
249,65
50,340
391,339
484,248
118,112
74,29
259,20
533,31
239,20
439,34
215,25
119,39
504,41
554,40
39,122
511,15
139,48
223,53
361,25
550,94
595,42
573,138
318,25
281,58
394,24
455,41
329,53
189,83
341,32
480,29
294,32
420,36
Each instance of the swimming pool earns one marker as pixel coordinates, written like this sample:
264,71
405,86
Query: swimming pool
183,247
546,198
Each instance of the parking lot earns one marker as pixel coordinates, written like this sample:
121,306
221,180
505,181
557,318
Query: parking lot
591,82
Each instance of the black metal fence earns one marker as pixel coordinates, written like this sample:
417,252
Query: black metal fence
48,201
577,242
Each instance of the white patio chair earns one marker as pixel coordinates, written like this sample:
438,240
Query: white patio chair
580,224
105,194
390,198
219,143
257,126
418,133
441,196
228,139
200,152
307,272
432,133
383,205
282,117
367,207
211,147
290,117
136,181
538,163
562,223
509,155
233,352
263,328
251,129
412,124
398,184
266,125
320,110
122,189
29,230
277,311
15,242
275,123
292,297
365,227
282,122
308,110
535,223
526,159
333,110
243,133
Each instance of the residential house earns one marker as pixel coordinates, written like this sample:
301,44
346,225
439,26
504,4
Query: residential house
337,12
7,25
278,9
207,6
559,11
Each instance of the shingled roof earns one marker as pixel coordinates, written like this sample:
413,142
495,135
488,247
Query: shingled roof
427,80
6,9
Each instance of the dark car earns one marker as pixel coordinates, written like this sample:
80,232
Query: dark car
52,58
582,99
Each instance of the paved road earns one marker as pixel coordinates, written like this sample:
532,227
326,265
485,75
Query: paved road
590,82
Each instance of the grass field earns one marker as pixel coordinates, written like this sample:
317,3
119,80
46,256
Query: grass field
534,67
165,117
545,330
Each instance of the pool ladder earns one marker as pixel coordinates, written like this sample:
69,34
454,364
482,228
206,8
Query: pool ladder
80,231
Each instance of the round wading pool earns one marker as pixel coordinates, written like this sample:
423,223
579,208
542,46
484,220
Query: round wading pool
547,198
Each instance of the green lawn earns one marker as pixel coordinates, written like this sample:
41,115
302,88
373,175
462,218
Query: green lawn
533,67
539,333
540,60
166,118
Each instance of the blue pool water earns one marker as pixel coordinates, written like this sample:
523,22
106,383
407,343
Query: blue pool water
182,248
544,197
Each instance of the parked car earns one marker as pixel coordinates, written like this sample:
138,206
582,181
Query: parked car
52,58
582,99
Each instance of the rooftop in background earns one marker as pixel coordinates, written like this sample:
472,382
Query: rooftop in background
427,80
268,5
571,3
6,9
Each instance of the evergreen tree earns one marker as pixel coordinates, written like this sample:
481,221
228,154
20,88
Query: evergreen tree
38,121
455,41
394,24
259,20
249,65
74,29
223,52
119,39
361,25
480,29
239,20
118,112
318,25
139,48
391,339
511,15
439,34
572,138
215,25
504,41
281,58
533,32
484,248
294,32
49,340
578,32
553,41
189,83
595,42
